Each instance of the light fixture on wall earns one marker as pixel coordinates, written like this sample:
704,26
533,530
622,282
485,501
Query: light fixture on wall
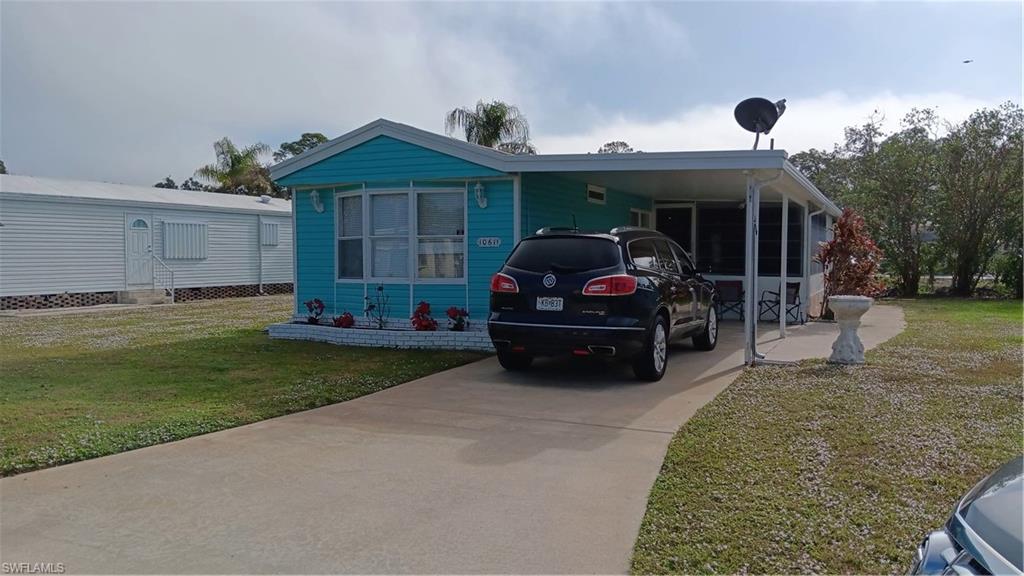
481,195
318,204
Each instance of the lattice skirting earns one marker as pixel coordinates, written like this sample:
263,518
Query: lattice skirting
238,291
65,300
76,299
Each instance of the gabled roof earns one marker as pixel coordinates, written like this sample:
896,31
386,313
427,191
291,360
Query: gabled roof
738,160
105,192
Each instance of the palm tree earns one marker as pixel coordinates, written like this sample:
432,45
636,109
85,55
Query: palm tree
492,124
238,171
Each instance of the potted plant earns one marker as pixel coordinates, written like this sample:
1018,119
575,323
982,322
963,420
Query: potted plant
458,319
346,320
315,309
421,318
851,261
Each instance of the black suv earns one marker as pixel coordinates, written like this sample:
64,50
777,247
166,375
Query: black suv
626,293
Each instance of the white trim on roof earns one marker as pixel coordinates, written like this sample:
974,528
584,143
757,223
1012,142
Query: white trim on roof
518,163
78,191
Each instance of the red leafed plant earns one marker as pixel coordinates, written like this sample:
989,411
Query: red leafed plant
850,259
421,319
346,320
457,319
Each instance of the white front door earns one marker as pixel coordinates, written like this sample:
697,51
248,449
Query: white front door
138,236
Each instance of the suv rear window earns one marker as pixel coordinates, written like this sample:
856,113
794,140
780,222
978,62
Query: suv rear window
565,255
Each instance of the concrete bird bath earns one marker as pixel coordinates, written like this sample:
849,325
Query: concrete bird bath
848,349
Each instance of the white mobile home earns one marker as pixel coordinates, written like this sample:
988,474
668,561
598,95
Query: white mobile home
72,243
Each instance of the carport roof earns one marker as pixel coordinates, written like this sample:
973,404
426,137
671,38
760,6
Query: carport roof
647,173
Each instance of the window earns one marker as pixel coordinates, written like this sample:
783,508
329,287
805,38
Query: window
643,255
389,235
269,234
595,194
666,261
640,218
140,224
183,240
722,237
350,236
684,259
564,254
441,230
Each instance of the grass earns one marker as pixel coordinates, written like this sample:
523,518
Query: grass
85,385
829,469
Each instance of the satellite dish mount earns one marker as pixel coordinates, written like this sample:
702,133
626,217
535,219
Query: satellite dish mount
759,115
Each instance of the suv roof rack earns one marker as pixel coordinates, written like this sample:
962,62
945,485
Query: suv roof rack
556,230
620,229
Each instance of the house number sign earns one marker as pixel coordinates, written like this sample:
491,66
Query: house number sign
488,242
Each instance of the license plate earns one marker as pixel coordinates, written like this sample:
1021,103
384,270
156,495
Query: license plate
549,303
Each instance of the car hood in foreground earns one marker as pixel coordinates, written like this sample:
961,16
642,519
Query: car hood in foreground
992,514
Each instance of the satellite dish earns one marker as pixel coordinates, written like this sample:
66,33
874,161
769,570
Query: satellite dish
759,115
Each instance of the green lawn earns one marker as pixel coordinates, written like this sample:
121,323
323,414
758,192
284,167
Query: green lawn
79,386
828,469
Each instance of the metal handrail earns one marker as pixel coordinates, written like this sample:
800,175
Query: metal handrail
163,267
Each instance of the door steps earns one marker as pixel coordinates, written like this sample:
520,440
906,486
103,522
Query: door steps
146,296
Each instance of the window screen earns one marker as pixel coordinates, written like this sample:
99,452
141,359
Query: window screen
350,236
389,241
185,240
440,243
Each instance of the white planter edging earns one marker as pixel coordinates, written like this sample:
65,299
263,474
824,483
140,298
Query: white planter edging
439,339
848,349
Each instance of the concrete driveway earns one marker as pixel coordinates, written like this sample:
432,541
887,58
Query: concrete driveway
470,470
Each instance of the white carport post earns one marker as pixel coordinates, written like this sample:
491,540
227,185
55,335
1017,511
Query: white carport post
750,268
783,273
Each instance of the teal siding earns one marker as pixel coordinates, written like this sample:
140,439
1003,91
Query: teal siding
382,159
314,249
497,220
550,200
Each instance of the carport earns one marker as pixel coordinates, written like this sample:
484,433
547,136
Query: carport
744,183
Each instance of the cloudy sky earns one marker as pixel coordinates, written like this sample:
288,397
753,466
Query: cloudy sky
134,91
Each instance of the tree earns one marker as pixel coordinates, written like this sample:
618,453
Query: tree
238,170
980,191
3,167
891,180
850,259
167,182
307,141
195,185
492,124
615,147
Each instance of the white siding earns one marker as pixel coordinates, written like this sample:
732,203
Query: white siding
277,260
52,247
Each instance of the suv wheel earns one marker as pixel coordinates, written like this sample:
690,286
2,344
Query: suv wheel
651,363
707,339
514,361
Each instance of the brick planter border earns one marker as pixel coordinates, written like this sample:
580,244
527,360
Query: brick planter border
441,339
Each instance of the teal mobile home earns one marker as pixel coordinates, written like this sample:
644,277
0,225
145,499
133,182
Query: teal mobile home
431,218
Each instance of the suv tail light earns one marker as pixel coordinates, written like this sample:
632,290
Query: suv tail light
504,283
618,285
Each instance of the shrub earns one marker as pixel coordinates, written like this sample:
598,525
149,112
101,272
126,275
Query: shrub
378,309
850,259
421,318
346,320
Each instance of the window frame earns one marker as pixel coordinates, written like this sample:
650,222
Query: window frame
601,194
411,193
654,247
641,214
338,237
